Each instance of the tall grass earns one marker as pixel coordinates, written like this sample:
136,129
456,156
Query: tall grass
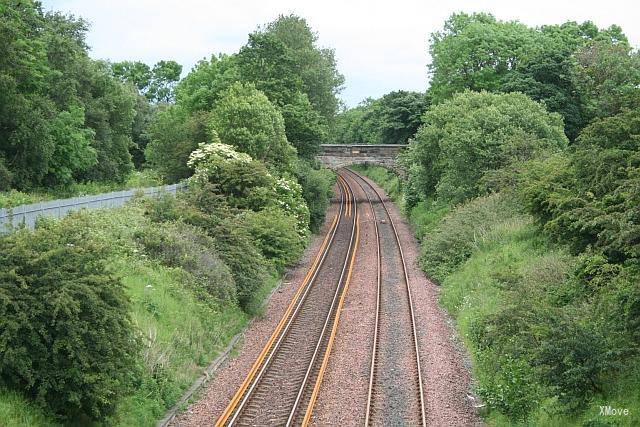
16,411
181,336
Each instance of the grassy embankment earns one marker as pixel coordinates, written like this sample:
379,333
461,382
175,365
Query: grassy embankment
182,331
517,306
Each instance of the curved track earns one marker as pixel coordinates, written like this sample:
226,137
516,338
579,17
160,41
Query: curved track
395,395
281,387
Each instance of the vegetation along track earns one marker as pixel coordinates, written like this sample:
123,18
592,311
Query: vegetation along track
395,395
282,385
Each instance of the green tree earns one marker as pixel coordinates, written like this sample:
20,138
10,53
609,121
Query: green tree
392,119
46,80
5,176
25,139
109,110
359,125
25,111
475,52
399,115
108,104
165,74
156,84
348,128
608,77
145,112
245,119
282,61
306,129
472,134
266,63
73,153
316,66
201,89
549,73
134,72
478,52
173,135
546,73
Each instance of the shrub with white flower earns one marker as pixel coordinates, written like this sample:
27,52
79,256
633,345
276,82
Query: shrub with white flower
290,200
211,156
220,164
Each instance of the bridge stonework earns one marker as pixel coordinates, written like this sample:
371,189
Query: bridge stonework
335,156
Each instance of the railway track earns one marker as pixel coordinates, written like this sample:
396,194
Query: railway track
395,395
283,383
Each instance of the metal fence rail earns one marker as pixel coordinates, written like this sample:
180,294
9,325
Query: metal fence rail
28,214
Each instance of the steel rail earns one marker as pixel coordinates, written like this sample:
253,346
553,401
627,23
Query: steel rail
410,302
244,393
338,310
269,350
374,349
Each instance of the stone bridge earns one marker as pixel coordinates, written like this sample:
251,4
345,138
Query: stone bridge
336,156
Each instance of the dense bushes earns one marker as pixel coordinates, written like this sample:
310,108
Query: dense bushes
316,183
275,234
231,236
473,134
66,336
234,245
246,183
179,245
592,196
239,251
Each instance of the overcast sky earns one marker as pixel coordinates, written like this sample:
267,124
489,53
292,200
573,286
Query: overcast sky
380,45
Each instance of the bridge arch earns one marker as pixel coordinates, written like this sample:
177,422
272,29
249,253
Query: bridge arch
335,156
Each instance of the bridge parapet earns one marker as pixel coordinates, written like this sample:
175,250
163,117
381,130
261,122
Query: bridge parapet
335,156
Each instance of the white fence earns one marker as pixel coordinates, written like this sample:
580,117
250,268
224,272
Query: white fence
28,214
